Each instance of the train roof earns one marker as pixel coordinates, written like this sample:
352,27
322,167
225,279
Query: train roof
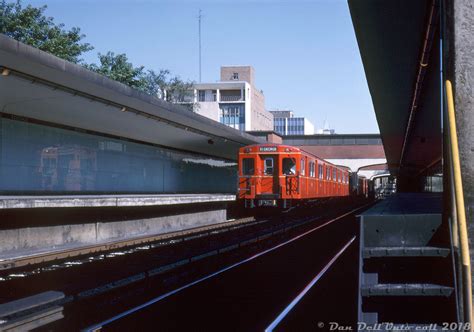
290,149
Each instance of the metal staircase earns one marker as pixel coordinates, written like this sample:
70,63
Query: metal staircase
405,273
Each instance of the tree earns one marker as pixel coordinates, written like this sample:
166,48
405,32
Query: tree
119,69
158,84
29,25
171,89
178,90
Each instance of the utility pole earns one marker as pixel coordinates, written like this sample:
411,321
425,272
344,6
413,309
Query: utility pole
199,19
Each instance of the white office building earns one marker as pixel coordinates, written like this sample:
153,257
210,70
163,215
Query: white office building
234,100
285,123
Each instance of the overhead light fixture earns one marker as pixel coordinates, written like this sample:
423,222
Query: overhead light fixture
124,109
5,71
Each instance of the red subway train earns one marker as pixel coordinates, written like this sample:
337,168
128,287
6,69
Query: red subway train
283,176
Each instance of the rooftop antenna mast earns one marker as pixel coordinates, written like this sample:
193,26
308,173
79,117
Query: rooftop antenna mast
199,20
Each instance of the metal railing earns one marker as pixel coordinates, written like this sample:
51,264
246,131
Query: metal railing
231,98
458,213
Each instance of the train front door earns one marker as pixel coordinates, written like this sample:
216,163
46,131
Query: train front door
291,176
269,183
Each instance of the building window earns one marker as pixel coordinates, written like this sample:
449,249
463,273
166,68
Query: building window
202,95
235,76
233,115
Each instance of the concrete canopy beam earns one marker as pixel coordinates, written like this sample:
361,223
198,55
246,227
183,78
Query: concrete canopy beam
391,39
43,87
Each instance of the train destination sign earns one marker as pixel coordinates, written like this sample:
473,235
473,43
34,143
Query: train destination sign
268,149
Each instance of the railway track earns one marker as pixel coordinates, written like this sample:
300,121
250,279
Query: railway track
164,268
60,254
134,314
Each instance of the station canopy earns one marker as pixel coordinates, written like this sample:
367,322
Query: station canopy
391,38
37,86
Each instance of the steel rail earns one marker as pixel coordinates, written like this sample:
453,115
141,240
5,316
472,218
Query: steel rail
98,326
307,288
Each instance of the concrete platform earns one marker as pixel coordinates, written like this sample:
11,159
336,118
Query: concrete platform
31,202
31,241
407,203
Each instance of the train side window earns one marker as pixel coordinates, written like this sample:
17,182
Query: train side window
320,171
311,169
268,166
248,166
289,166
303,166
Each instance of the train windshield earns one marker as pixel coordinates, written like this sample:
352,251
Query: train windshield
268,166
248,166
289,166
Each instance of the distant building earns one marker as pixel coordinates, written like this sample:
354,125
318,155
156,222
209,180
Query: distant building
356,151
285,123
326,130
234,100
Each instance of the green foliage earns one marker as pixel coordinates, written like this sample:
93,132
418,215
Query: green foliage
159,84
171,89
119,69
156,83
29,25
178,91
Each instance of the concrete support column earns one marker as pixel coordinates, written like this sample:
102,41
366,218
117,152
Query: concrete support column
459,57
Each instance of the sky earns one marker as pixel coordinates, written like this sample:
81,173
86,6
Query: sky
304,53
